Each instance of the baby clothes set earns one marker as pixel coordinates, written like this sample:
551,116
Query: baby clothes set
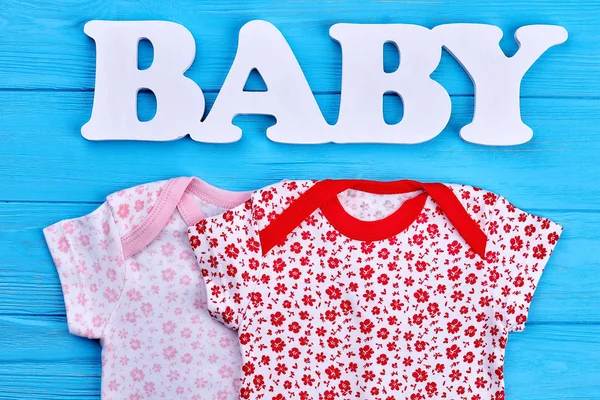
335,289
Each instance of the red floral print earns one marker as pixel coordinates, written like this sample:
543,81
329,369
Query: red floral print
418,315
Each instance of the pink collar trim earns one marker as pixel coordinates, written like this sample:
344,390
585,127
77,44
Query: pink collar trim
213,195
178,193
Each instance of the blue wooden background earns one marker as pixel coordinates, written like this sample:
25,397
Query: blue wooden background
49,172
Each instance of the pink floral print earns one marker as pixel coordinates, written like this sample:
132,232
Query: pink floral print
416,315
147,308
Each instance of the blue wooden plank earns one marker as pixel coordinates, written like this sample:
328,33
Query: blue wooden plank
42,44
569,291
42,361
46,159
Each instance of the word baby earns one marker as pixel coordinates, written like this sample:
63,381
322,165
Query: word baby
180,102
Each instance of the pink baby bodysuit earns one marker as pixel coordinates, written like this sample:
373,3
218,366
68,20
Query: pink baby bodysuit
378,291
129,278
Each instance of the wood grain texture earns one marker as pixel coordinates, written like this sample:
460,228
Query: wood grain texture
556,170
49,172
44,45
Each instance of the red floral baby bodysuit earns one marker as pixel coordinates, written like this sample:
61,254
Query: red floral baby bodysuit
366,290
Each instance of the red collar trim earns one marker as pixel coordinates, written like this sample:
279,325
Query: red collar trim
323,195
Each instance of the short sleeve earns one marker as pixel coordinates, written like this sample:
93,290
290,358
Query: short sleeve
88,255
522,244
227,248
